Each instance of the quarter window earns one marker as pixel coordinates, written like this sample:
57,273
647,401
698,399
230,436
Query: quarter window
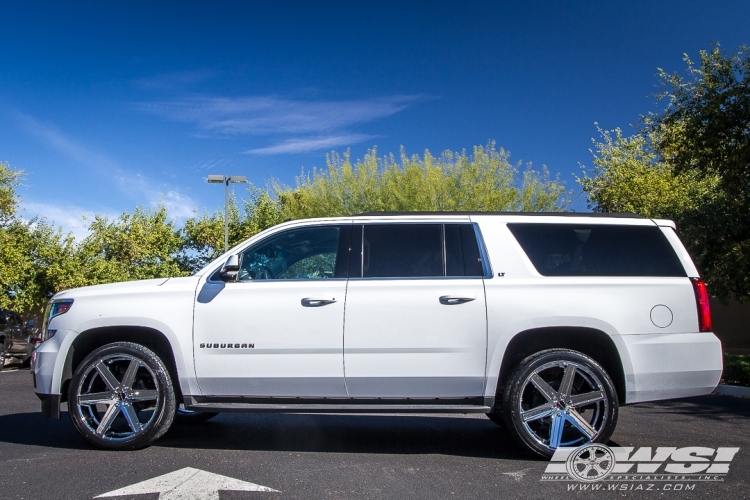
597,250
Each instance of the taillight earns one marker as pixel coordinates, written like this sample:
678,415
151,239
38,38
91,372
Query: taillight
701,301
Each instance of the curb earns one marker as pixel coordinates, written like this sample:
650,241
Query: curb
732,390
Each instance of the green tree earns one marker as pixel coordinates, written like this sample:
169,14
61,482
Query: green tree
141,245
482,181
629,176
9,179
30,252
706,124
16,266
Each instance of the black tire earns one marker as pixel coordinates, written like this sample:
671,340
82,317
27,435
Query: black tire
542,417
185,416
118,414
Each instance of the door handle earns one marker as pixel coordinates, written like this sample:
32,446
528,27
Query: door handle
450,300
311,302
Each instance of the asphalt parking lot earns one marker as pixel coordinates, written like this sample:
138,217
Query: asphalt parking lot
348,456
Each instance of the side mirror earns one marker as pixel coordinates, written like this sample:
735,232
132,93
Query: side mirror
230,268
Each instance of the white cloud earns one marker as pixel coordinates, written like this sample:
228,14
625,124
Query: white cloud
259,115
306,144
128,182
69,217
178,205
316,124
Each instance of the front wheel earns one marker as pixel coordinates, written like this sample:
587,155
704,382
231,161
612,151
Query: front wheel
559,397
121,397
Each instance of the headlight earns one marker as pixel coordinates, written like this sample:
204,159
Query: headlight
55,307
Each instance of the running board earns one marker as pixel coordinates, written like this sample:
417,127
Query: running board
336,408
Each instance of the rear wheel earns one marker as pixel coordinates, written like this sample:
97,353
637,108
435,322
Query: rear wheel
559,398
121,397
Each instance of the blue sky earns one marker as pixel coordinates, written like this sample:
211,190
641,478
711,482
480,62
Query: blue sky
109,105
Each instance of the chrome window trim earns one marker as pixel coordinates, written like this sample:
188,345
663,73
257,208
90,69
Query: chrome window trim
412,278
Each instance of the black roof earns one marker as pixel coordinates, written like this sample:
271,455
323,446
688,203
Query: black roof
613,215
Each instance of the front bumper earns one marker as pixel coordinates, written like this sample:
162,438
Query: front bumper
672,365
43,371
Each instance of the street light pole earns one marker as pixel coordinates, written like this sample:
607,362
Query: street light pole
226,179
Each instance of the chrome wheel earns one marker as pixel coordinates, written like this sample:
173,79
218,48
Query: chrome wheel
560,398
563,404
117,397
121,397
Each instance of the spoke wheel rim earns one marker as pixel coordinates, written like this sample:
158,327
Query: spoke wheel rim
563,404
118,397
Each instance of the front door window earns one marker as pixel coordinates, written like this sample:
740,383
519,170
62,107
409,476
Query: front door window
308,253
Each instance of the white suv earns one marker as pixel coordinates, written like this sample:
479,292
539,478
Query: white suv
546,323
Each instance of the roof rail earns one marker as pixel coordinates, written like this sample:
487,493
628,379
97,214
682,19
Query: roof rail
616,215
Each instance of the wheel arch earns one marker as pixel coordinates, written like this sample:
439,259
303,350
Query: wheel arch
589,341
89,340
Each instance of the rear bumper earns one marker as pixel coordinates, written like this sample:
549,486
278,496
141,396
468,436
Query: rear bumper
672,365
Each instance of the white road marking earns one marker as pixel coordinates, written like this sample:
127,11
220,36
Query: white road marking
187,484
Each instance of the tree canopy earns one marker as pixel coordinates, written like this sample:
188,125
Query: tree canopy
455,181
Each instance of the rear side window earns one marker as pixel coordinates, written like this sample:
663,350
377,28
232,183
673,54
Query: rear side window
416,250
597,250
402,250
